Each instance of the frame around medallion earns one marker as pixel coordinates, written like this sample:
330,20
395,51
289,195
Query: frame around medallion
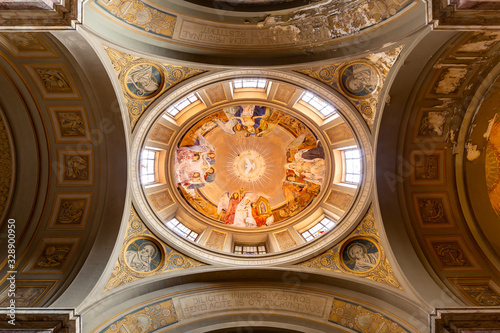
346,223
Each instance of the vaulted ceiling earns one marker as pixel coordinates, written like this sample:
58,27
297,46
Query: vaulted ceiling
74,120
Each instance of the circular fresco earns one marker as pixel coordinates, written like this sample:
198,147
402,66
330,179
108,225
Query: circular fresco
360,255
359,80
143,255
249,166
144,80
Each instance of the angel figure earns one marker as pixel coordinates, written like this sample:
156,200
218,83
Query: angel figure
250,117
232,125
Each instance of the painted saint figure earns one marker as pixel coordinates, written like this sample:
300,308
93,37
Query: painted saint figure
142,80
140,260
231,208
363,261
194,164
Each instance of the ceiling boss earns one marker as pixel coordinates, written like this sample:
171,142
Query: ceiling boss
249,166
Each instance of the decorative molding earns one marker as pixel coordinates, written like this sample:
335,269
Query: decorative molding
317,26
52,255
75,167
339,133
139,15
284,93
147,77
53,81
70,123
70,211
367,76
161,134
337,312
433,210
216,93
451,253
340,199
285,240
478,291
216,240
61,320
29,293
464,15
334,259
146,319
171,260
358,318
458,320
427,167
161,200
26,45
7,166
41,15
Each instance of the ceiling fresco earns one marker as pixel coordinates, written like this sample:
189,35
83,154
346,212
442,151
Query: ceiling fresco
249,166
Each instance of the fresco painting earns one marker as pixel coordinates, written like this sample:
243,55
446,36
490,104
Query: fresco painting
144,80
249,166
143,255
492,165
194,165
360,255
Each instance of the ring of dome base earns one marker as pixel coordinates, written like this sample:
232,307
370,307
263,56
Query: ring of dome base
349,220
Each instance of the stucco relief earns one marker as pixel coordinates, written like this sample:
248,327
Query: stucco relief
361,319
143,255
361,80
6,165
142,80
368,262
317,25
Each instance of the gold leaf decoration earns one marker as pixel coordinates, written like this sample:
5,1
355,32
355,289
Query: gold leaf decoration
170,260
360,319
148,319
360,80
336,259
6,166
143,80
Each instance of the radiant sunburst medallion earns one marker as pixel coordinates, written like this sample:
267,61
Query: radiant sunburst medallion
249,166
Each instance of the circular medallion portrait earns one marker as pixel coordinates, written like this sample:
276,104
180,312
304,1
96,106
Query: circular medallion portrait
249,166
359,80
143,255
360,255
144,80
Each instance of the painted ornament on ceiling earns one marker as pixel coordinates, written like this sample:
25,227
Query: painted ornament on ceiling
359,80
143,255
144,80
249,166
492,165
360,255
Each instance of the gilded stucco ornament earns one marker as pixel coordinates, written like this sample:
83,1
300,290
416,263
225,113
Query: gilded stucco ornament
358,318
6,165
317,25
142,80
144,255
359,254
360,80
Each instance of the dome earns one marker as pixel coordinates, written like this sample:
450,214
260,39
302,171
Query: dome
251,167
